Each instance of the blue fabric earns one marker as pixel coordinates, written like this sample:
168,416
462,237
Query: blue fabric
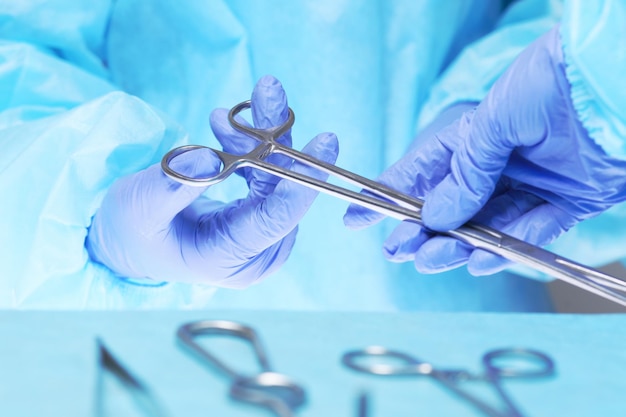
591,34
51,357
361,70
478,66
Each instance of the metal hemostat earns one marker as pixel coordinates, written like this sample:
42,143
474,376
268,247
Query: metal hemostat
375,360
267,389
393,204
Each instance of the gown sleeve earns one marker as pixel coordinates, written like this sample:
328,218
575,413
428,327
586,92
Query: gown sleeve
591,32
66,134
594,40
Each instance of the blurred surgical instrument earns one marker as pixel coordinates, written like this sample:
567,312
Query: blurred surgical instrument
394,204
267,389
362,406
143,399
528,363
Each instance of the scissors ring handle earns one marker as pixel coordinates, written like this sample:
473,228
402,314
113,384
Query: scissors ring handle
263,135
536,363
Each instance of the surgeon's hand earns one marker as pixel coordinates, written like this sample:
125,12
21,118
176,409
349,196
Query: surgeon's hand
521,163
152,227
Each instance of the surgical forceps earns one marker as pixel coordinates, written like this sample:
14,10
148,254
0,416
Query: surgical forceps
393,204
394,363
267,389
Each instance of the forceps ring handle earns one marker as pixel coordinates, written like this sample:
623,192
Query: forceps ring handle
408,365
187,333
229,164
545,364
263,135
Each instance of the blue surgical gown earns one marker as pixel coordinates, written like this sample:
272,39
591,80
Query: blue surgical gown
92,91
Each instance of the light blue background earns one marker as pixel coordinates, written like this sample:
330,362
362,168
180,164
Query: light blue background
48,360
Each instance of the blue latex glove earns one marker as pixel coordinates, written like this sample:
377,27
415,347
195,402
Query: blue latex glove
521,162
152,227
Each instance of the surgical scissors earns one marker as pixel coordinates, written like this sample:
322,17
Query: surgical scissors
267,389
394,363
391,203
143,398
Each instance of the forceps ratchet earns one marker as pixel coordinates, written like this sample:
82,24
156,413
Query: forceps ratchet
270,390
391,203
527,363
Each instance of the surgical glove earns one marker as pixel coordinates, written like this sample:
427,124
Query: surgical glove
521,162
149,226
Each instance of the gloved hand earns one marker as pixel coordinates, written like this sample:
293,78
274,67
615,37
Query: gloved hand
150,226
521,163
